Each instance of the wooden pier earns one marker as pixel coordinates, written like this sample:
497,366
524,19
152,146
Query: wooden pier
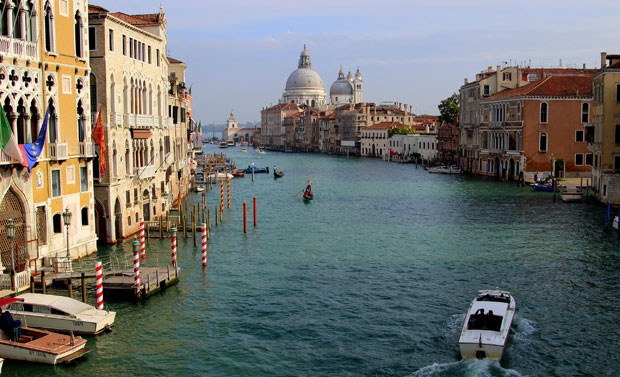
152,280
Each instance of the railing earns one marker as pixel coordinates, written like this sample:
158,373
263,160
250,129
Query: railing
5,159
145,172
22,281
58,151
87,149
19,47
131,120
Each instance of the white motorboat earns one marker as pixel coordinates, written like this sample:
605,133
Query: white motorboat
60,313
571,194
260,150
445,169
487,325
39,346
212,178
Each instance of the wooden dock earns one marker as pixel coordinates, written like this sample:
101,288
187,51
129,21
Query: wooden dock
152,280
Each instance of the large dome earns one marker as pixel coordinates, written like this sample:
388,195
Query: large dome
304,78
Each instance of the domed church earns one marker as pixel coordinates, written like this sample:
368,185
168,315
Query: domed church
346,90
304,86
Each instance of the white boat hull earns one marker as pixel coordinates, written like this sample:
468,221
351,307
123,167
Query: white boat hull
486,335
61,314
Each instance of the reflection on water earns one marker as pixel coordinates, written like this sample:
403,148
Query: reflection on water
371,278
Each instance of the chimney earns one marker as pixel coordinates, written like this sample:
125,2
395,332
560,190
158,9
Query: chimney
603,59
465,81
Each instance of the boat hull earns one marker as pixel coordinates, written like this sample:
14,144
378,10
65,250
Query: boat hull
46,348
66,325
484,336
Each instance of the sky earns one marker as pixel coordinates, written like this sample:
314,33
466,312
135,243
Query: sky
239,53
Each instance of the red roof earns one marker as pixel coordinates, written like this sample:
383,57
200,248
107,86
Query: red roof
552,86
385,126
139,19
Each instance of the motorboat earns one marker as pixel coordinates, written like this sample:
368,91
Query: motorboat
37,345
259,150
256,170
571,194
238,173
60,313
213,177
445,169
487,325
199,188
223,144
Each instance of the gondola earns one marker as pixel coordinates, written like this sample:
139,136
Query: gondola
277,173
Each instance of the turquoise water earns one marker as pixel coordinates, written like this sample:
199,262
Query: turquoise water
371,278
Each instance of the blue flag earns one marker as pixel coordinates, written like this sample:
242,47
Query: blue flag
32,151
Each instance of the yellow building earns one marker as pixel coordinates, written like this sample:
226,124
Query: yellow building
604,134
39,72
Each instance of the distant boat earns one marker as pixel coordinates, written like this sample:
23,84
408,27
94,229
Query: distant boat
242,150
257,170
259,150
277,173
223,144
308,194
230,143
445,169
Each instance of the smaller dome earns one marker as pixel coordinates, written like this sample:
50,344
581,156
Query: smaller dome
341,87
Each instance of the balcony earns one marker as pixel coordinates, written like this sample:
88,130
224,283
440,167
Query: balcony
58,151
87,149
18,47
5,159
145,172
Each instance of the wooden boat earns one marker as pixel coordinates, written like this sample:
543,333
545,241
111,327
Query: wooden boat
238,173
548,187
60,313
571,194
487,325
39,346
277,173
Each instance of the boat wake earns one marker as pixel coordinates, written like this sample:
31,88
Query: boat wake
523,329
466,368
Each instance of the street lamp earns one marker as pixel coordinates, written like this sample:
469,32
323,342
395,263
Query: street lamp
10,233
66,218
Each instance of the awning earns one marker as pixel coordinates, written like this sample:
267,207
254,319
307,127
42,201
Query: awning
140,134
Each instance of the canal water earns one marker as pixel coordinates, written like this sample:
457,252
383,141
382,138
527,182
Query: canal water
371,278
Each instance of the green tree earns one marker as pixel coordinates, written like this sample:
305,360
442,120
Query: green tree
449,109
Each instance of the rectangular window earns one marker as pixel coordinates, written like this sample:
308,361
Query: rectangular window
92,41
617,135
579,136
157,57
56,192
486,90
589,159
131,47
579,159
124,45
149,56
617,162
111,39
617,92
128,198
83,178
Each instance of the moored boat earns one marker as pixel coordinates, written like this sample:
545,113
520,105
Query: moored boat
445,169
571,194
60,313
213,177
36,345
487,325
257,169
277,173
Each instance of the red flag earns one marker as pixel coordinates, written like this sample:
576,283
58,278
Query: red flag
99,138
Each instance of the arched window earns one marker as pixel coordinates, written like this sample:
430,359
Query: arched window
585,112
78,35
23,131
18,22
542,142
544,110
84,213
52,125
81,122
48,26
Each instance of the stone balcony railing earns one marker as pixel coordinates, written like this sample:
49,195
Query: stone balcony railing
145,172
18,47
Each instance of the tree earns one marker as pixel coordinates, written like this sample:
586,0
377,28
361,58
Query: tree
449,109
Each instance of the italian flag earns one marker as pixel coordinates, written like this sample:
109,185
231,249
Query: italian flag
8,143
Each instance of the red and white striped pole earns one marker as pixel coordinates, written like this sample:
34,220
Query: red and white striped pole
174,246
99,284
204,245
136,265
142,244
